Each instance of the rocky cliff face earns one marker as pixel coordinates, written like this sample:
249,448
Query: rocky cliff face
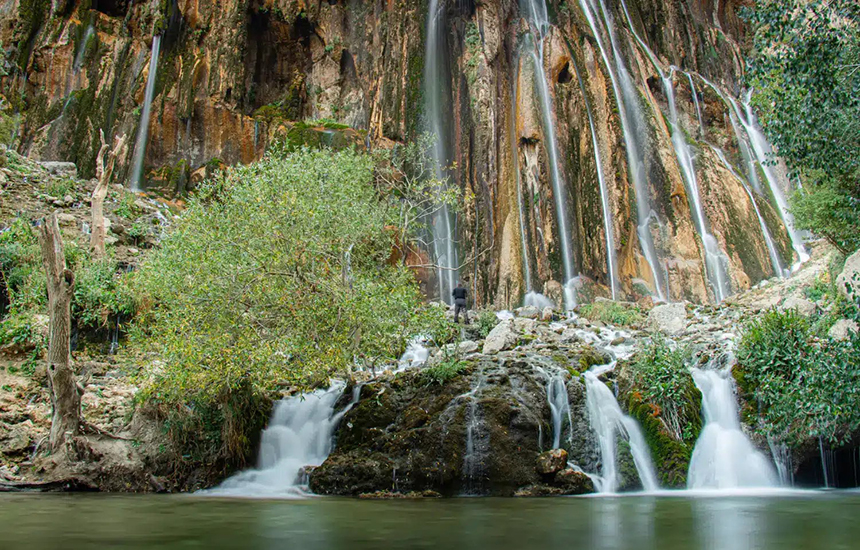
234,75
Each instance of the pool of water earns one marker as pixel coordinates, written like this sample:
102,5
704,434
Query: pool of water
815,520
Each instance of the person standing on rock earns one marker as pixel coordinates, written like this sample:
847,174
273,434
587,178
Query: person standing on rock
459,295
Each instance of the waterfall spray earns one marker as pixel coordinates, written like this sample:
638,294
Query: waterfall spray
143,125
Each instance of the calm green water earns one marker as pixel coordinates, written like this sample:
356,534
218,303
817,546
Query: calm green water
816,521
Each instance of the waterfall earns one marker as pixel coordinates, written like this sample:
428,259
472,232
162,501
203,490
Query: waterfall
724,458
416,354
781,455
477,441
763,151
716,263
768,239
143,125
696,103
435,79
608,422
604,192
633,128
300,434
82,48
538,300
559,404
536,14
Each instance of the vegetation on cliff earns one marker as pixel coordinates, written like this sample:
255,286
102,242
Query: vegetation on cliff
804,70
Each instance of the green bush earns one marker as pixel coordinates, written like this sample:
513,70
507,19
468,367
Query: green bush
613,313
486,322
101,293
447,370
661,375
276,274
806,386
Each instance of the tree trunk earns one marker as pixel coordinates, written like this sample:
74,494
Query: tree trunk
103,173
65,399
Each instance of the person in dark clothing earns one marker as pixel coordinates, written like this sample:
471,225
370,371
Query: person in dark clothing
459,295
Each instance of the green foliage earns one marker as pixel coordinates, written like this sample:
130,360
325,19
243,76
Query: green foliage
8,128
448,369
806,386
486,322
826,209
101,293
60,187
804,70
613,313
276,274
661,375
125,207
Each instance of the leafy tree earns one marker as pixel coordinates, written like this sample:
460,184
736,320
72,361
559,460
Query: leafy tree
805,70
278,274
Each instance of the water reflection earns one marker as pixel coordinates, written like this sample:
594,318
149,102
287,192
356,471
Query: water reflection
665,522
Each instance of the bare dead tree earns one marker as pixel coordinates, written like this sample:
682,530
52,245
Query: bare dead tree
65,398
104,172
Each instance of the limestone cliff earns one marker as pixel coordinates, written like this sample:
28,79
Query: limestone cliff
233,75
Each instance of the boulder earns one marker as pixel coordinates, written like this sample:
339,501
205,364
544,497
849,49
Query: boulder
525,325
670,319
65,219
17,439
550,462
801,305
529,312
573,482
842,329
848,282
500,338
61,168
546,315
463,348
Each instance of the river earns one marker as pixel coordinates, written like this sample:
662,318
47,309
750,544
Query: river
812,520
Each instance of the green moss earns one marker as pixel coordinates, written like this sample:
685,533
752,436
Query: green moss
32,14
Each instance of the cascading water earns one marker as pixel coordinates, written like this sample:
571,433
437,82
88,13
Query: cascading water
416,354
535,12
633,128
768,239
538,300
435,79
763,152
558,401
82,48
724,458
300,434
477,441
716,263
143,125
695,96
608,422
604,192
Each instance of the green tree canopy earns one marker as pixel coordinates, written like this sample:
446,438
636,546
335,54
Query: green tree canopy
805,71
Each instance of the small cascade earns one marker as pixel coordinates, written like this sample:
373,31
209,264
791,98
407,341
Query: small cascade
538,300
535,11
435,78
763,152
114,339
724,457
781,456
559,404
604,193
143,125
696,103
826,463
608,422
416,354
82,48
716,263
634,130
300,434
768,238
477,441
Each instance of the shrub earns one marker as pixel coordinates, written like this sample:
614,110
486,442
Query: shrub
276,274
486,322
806,386
101,294
447,370
613,313
661,374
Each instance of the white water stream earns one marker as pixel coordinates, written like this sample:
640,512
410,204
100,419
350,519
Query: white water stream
724,457
143,124
435,104
535,11
608,422
633,128
300,434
